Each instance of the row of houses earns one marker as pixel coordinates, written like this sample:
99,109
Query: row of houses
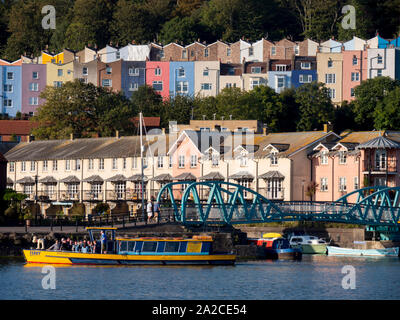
341,66
317,165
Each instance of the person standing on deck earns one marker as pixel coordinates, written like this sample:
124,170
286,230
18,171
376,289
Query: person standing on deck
149,211
103,240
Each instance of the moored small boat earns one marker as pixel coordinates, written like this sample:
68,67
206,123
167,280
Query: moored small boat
386,252
130,251
308,244
276,247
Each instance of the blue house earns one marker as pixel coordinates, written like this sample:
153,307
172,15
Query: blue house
133,75
383,43
10,90
181,78
280,74
305,71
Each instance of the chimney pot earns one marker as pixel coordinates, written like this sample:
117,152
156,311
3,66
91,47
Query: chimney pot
71,136
117,134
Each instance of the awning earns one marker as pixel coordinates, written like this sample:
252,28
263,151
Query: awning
9,181
241,175
117,178
185,176
163,177
212,176
70,179
379,143
93,179
48,180
272,175
26,180
137,178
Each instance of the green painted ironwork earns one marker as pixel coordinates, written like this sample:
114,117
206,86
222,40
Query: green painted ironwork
230,203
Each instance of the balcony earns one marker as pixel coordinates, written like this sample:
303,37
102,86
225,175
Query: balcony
380,167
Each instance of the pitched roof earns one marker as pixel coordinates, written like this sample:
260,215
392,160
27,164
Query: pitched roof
163,177
380,142
93,179
26,180
117,178
185,176
137,177
17,127
241,175
48,179
272,174
212,176
70,179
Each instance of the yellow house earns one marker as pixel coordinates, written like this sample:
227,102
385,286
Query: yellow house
57,74
48,57
330,72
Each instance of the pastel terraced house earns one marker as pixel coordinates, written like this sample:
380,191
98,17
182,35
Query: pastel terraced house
59,74
206,81
305,70
34,80
355,70
181,78
10,89
254,74
231,76
330,72
157,77
280,74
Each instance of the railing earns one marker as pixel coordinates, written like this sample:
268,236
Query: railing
388,165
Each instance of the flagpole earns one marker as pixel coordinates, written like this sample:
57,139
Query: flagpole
142,167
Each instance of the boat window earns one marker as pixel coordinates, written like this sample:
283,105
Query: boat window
296,240
131,245
123,246
150,246
171,246
321,241
309,241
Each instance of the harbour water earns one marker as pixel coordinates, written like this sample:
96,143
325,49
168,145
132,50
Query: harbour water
314,277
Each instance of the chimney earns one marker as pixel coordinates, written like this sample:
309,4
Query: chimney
265,131
163,131
71,136
117,134
328,127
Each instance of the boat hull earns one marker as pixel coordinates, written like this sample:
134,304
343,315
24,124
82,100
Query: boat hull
77,258
312,248
289,254
387,252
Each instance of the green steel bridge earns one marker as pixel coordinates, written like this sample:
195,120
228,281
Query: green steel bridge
229,203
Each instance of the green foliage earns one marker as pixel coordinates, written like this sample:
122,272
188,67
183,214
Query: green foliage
100,208
387,115
77,210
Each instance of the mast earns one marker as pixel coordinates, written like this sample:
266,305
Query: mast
142,166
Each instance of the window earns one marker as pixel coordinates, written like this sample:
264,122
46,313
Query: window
206,52
149,246
101,164
34,86
324,157
85,71
160,162
215,160
60,72
356,183
170,161
33,101
28,189
228,52
33,165
10,75
255,69
12,166
133,72
280,82
23,166
254,83
332,93
380,59
379,73
158,85
330,63
274,158
35,75
106,82
184,54
114,163
243,161
91,164
355,61
171,246
117,55
8,88
72,190
305,78
206,86
342,184
119,189
281,67
330,78
55,165
8,103
133,86
108,70
193,161
57,84
305,65
182,87
230,85
45,165
124,163
206,72
181,161
77,164
342,157
157,71
67,165
162,55
251,51
134,163
273,51
324,184
355,76
181,72
296,50
95,190
352,92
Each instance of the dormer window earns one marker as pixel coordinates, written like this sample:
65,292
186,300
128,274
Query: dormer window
206,52
243,161
324,157
184,54
330,63
251,51
274,158
342,157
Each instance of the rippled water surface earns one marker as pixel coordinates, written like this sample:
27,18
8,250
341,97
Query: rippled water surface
315,277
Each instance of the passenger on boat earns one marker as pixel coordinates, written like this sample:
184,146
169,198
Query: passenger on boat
94,247
56,246
84,248
149,211
103,240
75,247
156,211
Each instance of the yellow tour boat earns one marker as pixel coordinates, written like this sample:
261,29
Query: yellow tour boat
132,251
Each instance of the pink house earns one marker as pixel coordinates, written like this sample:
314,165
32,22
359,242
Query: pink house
357,160
157,76
355,70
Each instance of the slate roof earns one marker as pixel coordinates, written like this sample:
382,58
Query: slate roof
380,142
93,179
185,176
163,177
241,175
212,176
48,179
272,175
